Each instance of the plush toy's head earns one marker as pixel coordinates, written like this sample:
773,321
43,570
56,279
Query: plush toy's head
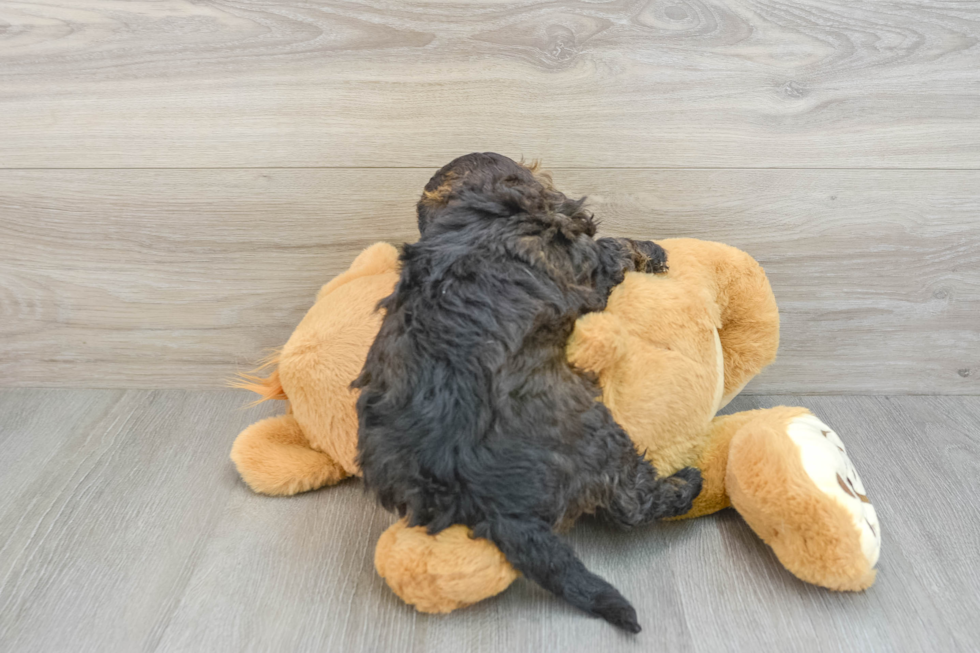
671,350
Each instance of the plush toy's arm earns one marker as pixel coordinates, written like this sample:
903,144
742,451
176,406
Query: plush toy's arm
748,315
596,342
749,330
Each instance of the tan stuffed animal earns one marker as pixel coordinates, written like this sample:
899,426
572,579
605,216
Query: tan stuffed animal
670,350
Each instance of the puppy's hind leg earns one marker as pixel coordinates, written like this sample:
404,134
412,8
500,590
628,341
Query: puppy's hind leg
636,494
627,490
639,496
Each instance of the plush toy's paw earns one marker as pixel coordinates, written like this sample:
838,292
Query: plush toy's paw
790,478
440,573
274,457
827,464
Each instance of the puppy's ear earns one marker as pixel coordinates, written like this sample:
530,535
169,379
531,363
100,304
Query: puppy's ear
571,217
535,195
575,219
434,198
647,256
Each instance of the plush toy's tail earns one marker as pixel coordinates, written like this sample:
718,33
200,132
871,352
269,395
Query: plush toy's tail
538,553
267,387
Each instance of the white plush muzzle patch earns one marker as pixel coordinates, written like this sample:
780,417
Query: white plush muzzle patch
826,463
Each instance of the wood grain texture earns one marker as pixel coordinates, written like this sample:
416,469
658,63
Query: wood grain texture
178,278
717,83
123,527
106,498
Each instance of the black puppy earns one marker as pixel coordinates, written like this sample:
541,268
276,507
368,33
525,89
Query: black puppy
470,413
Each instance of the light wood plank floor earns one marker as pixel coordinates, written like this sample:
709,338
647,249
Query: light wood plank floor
124,527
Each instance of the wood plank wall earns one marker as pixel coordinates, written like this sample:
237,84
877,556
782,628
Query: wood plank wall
178,178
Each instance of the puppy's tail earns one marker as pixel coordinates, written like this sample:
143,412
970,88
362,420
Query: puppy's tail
538,553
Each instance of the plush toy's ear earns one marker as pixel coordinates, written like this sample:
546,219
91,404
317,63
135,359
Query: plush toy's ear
597,342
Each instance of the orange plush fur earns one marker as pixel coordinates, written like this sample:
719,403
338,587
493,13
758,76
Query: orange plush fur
669,350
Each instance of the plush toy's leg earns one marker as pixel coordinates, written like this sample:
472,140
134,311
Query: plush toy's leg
713,463
274,457
440,573
769,464
790,478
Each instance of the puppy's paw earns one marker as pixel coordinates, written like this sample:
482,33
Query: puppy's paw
648,256
685,485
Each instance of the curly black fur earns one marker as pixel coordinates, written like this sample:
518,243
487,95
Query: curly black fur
470,413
